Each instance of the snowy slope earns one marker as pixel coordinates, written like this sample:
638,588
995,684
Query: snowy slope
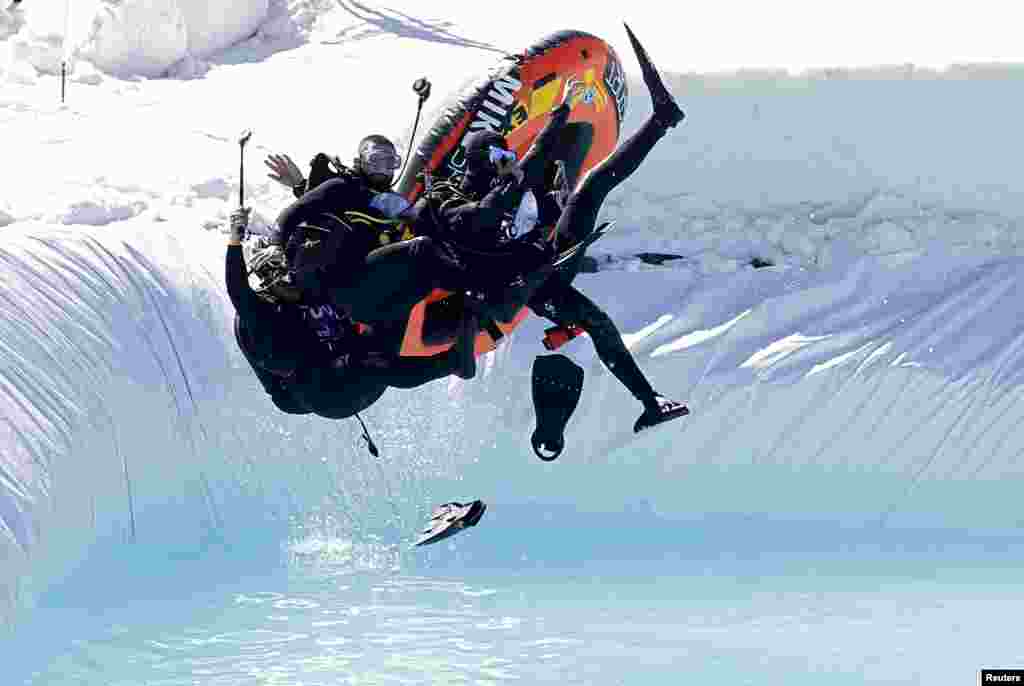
132,38
872,374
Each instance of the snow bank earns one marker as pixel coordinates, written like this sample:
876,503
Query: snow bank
134,37
212,26
808,168
11,21
147,38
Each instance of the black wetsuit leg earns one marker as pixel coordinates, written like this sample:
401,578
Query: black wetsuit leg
335,195
351,384
579,217
558,301
564,305
336,393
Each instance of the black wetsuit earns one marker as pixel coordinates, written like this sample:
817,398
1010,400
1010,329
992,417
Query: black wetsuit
310,358
474,216
557,300
482,204
563,304
342,260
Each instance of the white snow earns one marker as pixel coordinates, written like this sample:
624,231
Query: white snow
875,371
130,37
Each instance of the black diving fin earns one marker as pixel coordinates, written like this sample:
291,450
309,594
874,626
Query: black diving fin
666,110
557,384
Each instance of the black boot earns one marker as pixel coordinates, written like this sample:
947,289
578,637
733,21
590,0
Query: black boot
666,111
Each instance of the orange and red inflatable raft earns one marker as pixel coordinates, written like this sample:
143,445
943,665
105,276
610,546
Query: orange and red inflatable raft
514,99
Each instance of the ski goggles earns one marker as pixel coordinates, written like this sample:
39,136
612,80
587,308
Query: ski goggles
496,154
379,160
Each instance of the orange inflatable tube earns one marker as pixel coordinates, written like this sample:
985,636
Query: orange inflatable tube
514,99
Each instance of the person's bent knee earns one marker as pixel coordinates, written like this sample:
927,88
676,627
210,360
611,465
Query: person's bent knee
599,325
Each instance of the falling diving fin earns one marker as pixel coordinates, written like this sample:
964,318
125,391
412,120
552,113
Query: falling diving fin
557,384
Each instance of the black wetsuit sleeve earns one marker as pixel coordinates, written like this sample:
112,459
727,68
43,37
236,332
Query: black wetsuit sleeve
248,305
535,159
486,214
504,198
329,197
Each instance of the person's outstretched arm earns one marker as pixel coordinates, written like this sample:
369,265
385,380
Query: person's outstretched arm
255,310
533,162
248,305
486,214
329,197
284,170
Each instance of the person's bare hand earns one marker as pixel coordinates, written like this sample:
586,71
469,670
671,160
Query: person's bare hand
573,92
284,170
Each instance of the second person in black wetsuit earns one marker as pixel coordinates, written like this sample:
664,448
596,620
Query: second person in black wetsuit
563,304
479,213
342,242
575,217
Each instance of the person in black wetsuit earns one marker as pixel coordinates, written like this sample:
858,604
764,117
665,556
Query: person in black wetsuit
341,215
575,217
308,355
333,233
480,212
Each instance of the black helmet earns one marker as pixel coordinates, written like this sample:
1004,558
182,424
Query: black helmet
478,146
376,156
483,149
